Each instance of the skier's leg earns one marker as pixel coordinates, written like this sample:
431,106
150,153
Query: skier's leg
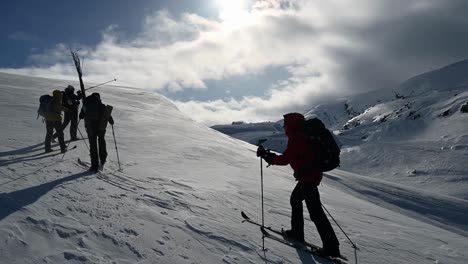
317,215
93,151
297,215
102,146
73,123
49,133
59,133
66,120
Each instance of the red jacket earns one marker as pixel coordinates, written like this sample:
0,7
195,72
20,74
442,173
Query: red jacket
298,150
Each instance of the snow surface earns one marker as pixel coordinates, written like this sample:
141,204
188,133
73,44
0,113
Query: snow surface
179,196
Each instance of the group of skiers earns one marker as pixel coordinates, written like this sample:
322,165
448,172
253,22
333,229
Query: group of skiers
297,154
93,111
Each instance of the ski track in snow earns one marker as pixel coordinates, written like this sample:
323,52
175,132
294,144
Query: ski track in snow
444,211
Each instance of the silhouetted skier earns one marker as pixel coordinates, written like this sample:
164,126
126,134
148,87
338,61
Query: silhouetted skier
297,153
53,120
71,101
93,111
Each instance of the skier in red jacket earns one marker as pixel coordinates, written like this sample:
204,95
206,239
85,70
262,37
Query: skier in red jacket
297,153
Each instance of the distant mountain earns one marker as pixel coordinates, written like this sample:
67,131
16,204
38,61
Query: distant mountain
451,77
385,127
255,133
336,113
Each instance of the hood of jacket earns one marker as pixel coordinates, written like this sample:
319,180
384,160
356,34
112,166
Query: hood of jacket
292,122
57,95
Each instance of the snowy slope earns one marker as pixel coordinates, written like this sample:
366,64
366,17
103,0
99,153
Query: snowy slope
179,196
415,135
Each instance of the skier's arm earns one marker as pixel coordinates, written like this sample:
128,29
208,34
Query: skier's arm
285,158
79,95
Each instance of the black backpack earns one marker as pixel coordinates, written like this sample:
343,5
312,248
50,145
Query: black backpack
93,108
323,144
46,105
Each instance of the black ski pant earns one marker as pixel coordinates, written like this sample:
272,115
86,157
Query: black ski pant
97,146
309,193
71,117
50,126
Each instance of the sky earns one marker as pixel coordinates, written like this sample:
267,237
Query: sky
246,60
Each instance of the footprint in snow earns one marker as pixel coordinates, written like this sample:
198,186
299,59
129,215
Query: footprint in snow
183,256
74,256
158,252
129,232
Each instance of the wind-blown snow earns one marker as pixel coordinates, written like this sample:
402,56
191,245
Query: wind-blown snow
179,196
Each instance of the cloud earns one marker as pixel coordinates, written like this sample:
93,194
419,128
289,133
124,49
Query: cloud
327,47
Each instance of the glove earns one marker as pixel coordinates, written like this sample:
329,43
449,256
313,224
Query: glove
265,154
111,121
269,157
78,93
261,151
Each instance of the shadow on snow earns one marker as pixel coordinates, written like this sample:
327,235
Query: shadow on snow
15,201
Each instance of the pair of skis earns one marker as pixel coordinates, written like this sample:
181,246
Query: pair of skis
307,247
85,164
56,152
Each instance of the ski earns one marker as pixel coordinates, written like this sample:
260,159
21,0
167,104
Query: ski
74,147
301,246
278,232
288,240
86,165
247,219
56,152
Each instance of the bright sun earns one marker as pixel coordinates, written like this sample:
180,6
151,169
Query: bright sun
231,10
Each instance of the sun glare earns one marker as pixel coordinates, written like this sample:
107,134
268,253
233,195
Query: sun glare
231,10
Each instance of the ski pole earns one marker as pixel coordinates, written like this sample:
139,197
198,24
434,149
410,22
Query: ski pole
261,184
263,218
83,138
260,141
116,150
352,243
89,88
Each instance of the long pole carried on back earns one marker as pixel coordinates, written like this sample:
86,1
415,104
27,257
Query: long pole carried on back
76,60
89,88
